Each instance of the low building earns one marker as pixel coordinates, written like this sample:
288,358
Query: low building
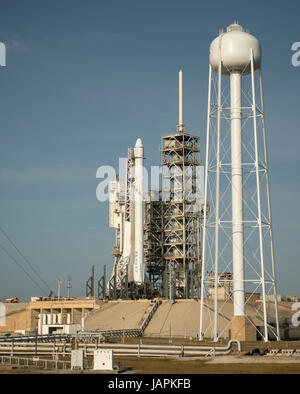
48,315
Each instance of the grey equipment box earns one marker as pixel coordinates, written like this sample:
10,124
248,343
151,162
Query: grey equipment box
77,359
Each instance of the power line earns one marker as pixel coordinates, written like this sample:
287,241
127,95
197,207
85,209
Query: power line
26,260
19,265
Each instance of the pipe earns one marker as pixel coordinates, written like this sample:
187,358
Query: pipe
237,194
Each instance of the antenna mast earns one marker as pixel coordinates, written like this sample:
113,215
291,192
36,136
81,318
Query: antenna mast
180,126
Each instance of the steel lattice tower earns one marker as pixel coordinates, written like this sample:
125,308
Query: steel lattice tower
180,158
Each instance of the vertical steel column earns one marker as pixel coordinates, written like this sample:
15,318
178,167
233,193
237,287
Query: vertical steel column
217,200
269,203
205,208
258,198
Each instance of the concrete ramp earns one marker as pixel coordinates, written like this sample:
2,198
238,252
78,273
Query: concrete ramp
182,319
110,315
15,308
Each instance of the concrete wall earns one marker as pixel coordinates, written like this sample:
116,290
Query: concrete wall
27,316
60,328
18,317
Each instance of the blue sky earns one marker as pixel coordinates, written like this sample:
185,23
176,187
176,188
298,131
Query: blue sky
84,79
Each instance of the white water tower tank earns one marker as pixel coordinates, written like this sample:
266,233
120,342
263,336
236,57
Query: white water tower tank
234,47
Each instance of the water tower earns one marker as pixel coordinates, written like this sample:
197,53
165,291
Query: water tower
238,253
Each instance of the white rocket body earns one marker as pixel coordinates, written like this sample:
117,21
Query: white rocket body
138,269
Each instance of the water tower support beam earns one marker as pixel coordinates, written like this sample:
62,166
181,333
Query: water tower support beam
217,201
205,208
269,204
259,218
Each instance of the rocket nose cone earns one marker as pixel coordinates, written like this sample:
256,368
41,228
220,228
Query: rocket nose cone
139,143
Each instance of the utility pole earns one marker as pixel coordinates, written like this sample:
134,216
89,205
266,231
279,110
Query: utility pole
59,282
69,286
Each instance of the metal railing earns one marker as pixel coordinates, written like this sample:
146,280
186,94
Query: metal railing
28,362
171,350
119,349
149,316
34,338
128,332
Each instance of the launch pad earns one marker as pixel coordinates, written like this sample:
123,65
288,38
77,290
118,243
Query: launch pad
157,251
